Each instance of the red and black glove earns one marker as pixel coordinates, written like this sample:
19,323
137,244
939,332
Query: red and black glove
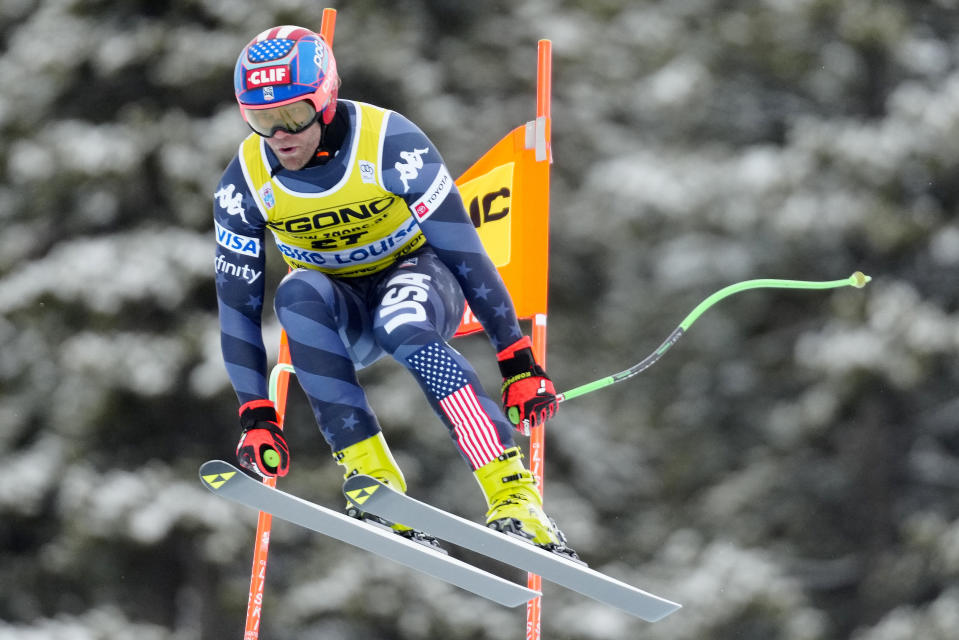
529,396
262,448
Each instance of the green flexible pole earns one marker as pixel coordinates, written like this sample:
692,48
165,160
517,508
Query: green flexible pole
858,280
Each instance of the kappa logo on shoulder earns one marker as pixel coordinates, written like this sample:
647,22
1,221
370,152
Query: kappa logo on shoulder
410,169
230,200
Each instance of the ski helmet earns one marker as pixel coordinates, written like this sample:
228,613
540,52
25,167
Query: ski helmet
284,65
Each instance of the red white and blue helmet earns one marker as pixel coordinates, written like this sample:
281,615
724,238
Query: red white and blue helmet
283,65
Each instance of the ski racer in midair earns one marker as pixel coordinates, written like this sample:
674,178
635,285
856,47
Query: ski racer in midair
382,256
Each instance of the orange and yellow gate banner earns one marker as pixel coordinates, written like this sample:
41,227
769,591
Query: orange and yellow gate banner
506,193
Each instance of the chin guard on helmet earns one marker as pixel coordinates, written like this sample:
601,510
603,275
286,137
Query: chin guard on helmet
284,65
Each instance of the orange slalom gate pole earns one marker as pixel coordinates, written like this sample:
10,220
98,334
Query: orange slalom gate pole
537,444
328,26
278,393
264,523
537,454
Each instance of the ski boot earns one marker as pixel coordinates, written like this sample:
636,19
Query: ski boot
515,506
372,457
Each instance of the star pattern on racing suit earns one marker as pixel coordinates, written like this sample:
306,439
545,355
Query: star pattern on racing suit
338,324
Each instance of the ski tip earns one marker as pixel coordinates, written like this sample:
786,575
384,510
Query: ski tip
669,608
528,596
214,465
215,473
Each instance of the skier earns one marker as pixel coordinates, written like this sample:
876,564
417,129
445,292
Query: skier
382,255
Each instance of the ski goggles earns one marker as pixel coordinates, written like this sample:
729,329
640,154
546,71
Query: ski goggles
292,118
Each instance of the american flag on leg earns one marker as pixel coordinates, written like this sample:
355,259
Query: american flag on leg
475,432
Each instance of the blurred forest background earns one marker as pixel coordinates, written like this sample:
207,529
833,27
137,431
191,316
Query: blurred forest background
789,471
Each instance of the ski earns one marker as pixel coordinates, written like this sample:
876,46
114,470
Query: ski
374,497
227,481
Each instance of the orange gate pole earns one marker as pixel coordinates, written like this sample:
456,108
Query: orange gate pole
537,451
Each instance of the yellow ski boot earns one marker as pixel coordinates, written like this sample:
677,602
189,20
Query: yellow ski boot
372,457
515,505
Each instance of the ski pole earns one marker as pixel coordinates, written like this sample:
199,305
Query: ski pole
858,280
